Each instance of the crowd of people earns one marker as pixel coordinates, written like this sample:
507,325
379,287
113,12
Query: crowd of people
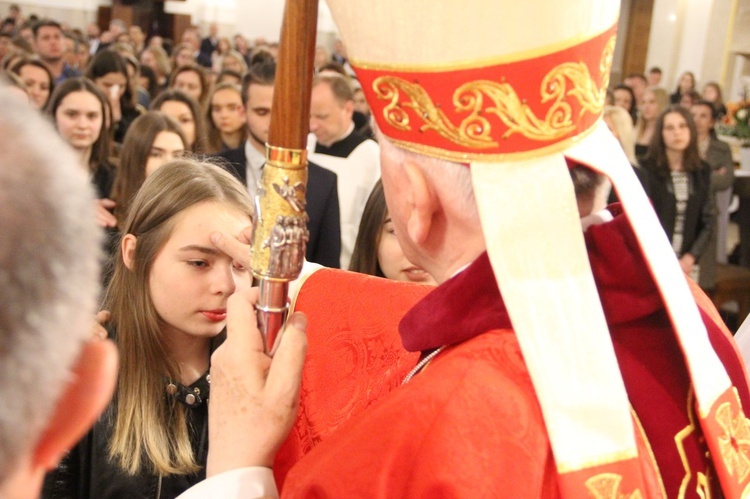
211,88
142,112
171,138
673,145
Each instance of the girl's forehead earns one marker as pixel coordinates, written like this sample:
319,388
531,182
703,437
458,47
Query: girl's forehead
201,219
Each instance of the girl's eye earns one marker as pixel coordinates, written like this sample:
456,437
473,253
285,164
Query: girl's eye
198,263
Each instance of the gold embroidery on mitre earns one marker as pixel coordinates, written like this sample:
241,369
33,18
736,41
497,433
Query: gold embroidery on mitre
475,131
734,442
607,486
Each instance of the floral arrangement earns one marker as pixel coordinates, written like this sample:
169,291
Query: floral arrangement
736,123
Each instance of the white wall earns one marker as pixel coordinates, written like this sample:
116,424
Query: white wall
690,35
75,13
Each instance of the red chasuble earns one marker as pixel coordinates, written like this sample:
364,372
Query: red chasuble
469,425
354,353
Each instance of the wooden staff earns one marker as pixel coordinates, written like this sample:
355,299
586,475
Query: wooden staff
280,230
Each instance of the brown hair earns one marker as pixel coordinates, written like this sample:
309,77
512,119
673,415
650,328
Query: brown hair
174,95
656,158
339,85
365,254
214,135
149,432
193,68
32,61
100,150
131,172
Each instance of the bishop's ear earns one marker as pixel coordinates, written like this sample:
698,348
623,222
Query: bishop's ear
422,203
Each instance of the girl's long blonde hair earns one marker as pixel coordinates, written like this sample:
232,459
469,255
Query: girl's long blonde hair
150,431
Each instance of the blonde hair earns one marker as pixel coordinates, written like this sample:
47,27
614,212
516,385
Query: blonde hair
662,99
149,431
623,124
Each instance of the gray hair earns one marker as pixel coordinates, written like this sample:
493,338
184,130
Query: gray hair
49,273
453,180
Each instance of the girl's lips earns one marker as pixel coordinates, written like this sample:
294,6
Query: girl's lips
416,274
215,315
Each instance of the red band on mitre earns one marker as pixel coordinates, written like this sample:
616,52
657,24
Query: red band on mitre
525,107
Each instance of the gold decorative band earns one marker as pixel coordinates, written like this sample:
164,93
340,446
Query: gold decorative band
498,112
286,158
468,157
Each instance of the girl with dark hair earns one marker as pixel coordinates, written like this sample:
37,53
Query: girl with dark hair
80,113
185,111
38,80
377,251
147,81
625,98
152,140
678,182
685,85
110,73
712,94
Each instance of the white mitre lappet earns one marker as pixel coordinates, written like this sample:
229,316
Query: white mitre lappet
510,88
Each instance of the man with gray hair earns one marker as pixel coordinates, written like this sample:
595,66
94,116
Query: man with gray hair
553,362
54,381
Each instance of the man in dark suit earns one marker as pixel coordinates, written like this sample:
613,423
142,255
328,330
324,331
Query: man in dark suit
208,45
324,245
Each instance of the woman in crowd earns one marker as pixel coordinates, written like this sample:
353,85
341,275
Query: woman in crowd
376,251
222,48
158,60
620,124
37,78
685,84
193,80
233,61
689,98
678,183
110,73
182,55
717,154
153,140
625,98
184,110
228,76
79,109
167,299
242,46
16,86
147,81
653,101
226,118
713,151
712,93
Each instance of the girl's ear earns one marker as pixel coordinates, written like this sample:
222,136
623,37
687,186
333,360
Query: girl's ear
128,250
